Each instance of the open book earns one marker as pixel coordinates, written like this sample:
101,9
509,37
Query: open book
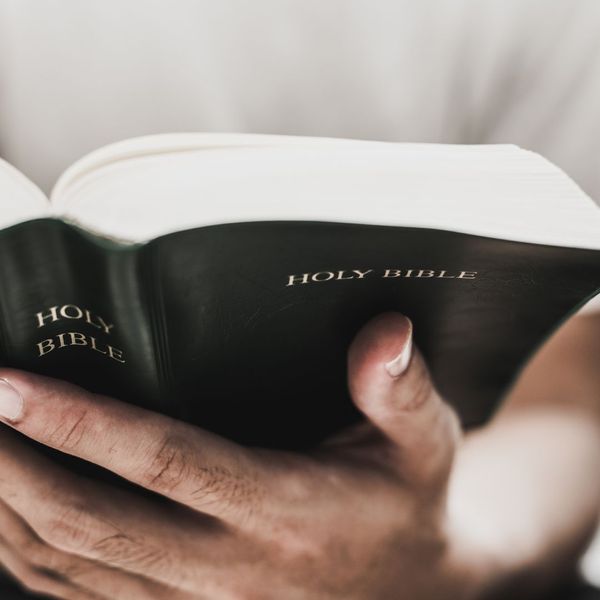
221,277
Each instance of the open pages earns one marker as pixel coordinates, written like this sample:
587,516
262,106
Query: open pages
138,189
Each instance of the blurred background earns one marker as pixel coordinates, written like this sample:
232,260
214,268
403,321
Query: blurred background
75,75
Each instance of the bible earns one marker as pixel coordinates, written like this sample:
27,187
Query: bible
220,278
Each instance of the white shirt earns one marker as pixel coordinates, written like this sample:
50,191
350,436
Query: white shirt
76,75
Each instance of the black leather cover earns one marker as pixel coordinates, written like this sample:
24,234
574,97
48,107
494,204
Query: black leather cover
211,331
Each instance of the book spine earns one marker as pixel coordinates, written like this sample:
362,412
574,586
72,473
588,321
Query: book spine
148,274
72,306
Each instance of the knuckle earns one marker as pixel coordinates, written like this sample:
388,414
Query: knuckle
122,549
69,430
69,529
217,484
167,464
174,465
214,481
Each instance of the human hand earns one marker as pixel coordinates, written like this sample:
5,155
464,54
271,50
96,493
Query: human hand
362,517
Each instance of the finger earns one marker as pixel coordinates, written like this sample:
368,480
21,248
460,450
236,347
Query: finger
390,384
53,570
37,581
109,526
177,460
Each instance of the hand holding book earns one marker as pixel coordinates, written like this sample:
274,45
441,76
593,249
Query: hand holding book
370,514
255,515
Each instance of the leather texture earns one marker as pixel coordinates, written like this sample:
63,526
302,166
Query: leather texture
211,332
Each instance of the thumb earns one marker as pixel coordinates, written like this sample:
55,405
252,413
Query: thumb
391,385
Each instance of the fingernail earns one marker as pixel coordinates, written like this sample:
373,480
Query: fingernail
399,364
11,401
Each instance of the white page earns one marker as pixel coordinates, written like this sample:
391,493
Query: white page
139,189
20,198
